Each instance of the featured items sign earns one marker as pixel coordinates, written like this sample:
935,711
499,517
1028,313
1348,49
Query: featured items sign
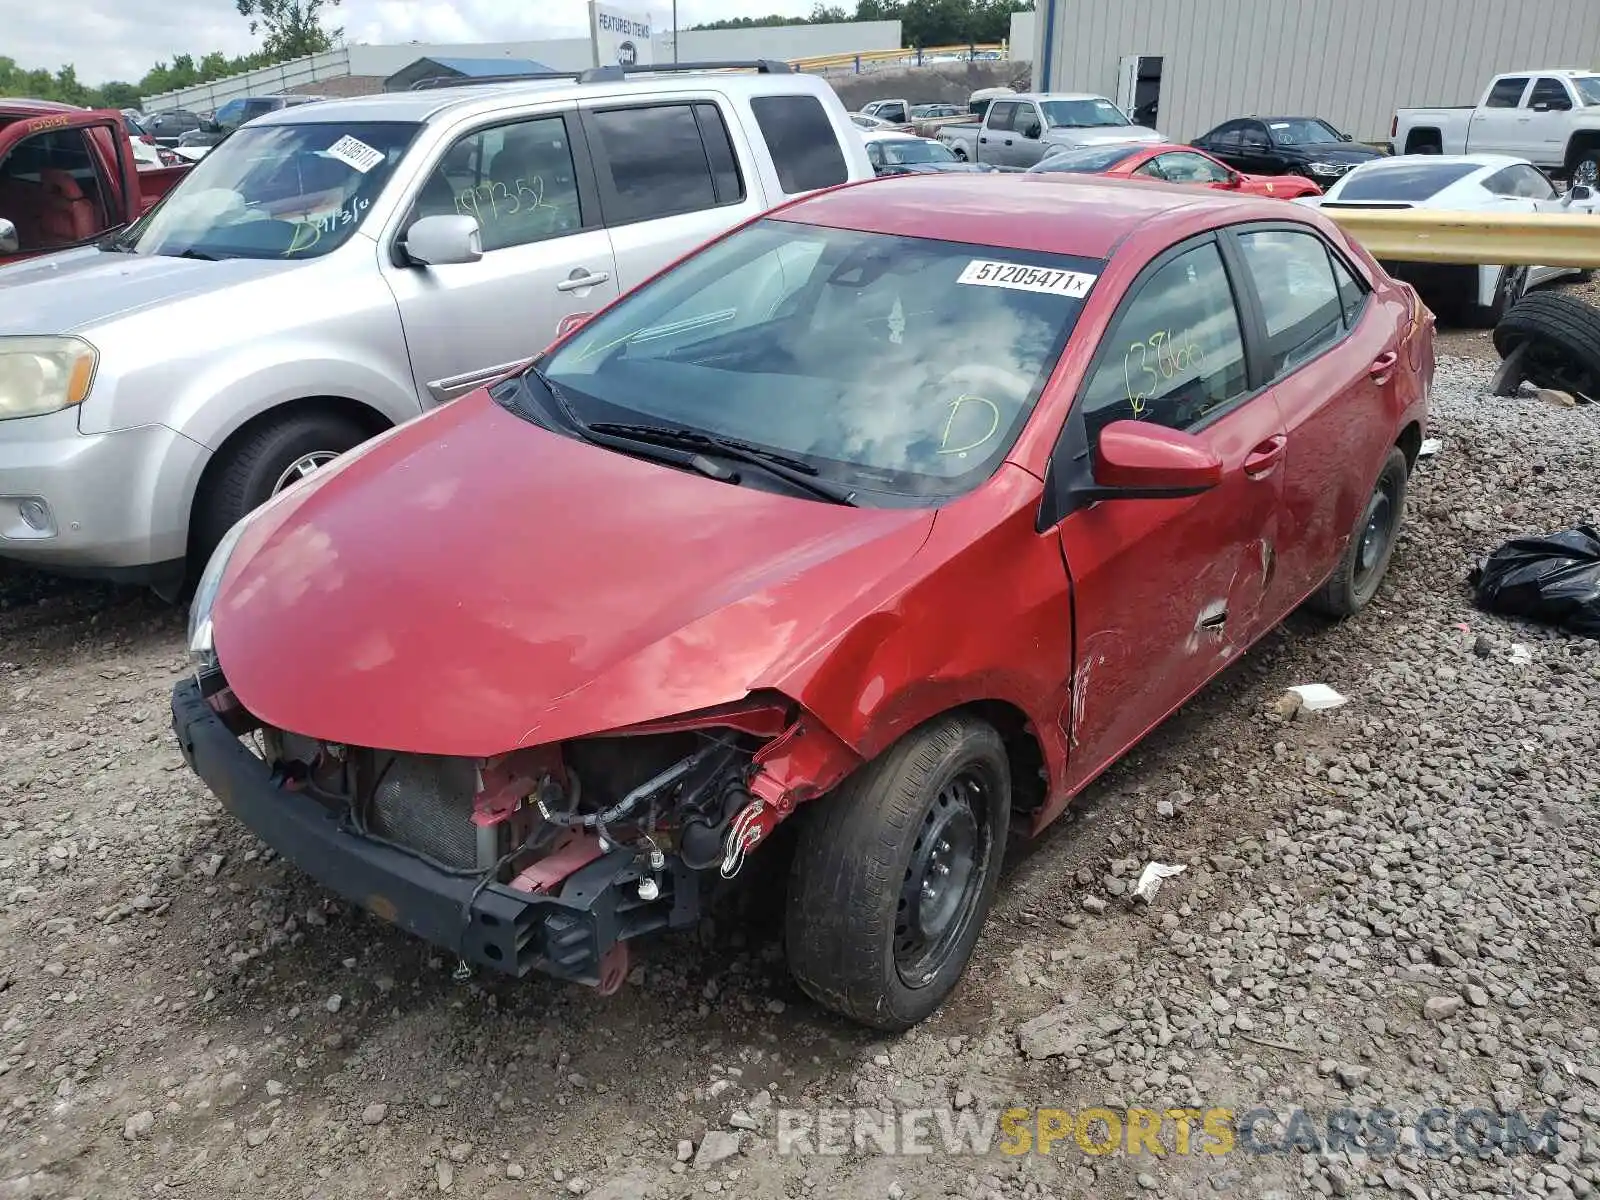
620,37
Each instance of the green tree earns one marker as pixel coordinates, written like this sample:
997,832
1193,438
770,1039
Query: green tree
290,28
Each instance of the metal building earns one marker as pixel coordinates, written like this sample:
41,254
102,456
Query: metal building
1196,63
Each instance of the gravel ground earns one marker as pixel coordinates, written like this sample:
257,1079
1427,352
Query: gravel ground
1393,904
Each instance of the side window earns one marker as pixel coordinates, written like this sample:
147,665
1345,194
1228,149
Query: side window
1552,93
1254,137
1229,136
892,112
517,180
875,154
805,149
1352,293
1151,170
230,114
1521,182
1002,113
1299,298
1175,354
659,164
1191,168
51,190
1506,93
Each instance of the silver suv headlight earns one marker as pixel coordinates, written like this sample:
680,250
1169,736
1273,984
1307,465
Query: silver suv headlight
205,596
44,374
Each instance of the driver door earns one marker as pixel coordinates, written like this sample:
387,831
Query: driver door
1168,592
546,255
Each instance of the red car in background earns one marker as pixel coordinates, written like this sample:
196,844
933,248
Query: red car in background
1173,164
899,512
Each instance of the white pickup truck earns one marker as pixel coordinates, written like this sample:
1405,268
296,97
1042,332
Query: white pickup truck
1551,118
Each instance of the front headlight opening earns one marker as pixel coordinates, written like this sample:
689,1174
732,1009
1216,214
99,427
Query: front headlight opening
201,648
41,375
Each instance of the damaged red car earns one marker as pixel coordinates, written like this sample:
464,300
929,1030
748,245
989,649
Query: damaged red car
898,513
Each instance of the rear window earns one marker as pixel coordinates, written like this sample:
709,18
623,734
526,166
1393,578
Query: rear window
804,147
1410,183
1086,161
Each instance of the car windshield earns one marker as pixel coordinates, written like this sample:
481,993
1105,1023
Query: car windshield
1082,114
1588,88
1088,161
275,191
900,367
1409,182
917,151
1301,131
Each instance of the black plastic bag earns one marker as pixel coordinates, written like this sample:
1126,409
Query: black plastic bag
1553,579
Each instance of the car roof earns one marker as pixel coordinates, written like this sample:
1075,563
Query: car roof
473,100
894,135
1413,160
1053,96
1083,215
19,106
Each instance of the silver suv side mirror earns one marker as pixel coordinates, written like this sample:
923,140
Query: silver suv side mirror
9,243
444,240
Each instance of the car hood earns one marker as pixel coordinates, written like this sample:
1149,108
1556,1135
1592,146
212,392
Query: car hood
470,583
77,289
1339,152
1107,136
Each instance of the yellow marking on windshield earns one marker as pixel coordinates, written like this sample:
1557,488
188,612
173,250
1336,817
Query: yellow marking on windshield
956,406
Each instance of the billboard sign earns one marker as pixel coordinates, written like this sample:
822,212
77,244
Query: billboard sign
620,37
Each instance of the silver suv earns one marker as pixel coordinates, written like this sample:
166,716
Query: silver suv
331,270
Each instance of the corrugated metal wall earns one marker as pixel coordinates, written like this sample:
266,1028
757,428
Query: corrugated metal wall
1351,61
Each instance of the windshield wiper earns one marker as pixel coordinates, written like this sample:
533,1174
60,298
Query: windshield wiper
191,252
791,470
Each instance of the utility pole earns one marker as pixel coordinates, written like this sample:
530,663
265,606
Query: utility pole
674,31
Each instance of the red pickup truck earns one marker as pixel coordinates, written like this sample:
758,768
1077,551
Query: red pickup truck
68,176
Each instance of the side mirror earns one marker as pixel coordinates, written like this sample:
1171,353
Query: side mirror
9,242
1234,181
1345,137
1580,191
1032,129
210,127
444,240
1138,460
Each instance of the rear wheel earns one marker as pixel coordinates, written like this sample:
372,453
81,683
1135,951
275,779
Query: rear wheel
895,873
262,463
1355,580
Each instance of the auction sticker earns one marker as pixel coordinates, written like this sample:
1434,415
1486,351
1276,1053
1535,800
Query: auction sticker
355,153
1022,278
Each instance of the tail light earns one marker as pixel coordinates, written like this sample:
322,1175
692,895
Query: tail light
1394,124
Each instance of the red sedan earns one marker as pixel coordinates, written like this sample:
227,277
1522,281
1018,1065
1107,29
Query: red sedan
1173,164
899,512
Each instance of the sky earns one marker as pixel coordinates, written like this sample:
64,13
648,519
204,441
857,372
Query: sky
122,39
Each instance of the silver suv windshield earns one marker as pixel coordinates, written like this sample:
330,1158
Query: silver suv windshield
1082,114
275,191
902,368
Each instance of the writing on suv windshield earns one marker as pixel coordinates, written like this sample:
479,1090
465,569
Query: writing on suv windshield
275,191
897,367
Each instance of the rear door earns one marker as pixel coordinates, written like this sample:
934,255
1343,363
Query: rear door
995,136
546,254
1167,592
670,178
1497,125
1226,142
1332,355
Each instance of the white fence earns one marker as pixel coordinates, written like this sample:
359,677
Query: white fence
334,64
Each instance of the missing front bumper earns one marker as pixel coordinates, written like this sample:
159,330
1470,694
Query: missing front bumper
565,934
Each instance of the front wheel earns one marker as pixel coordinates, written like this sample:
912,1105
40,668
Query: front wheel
1355,580
261,463
1587,172
895,872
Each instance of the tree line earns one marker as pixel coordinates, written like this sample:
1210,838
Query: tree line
288,29
922,22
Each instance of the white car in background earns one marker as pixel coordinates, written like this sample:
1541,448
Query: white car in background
1468,295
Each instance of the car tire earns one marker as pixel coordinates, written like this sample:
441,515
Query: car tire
258,465
871,933
1355,580
1562,338
1586,171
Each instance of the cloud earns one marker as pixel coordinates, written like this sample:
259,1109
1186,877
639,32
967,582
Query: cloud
122,39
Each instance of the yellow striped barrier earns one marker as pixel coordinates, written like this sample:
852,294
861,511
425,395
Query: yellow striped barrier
826,62
1505,239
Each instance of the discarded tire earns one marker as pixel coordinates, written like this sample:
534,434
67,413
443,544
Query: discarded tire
1556,339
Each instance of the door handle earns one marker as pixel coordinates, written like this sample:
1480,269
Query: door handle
1008,141
1382,365
575,281
984,140
1260,461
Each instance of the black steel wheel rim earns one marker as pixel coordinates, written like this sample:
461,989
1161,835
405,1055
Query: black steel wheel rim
1377,529
944,879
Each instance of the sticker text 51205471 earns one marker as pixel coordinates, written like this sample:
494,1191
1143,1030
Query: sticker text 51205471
1020,277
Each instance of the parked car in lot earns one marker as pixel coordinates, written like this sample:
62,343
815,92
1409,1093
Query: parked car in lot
68,176
874,125
167,127
905,154
461,682
193,144
1551,118
1172,164
1019,132
340,267
1462,294
1305,146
